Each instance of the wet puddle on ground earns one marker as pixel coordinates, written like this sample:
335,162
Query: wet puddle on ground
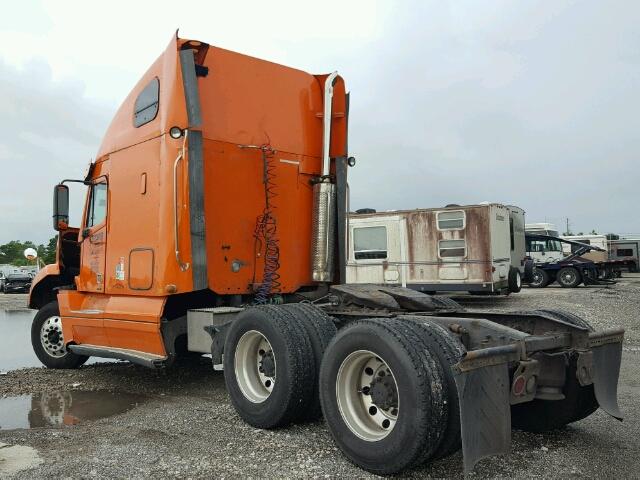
15,332
59,409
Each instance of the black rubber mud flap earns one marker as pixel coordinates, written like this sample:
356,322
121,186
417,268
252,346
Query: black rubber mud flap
482,378
606,369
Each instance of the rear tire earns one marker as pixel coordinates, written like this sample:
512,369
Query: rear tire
320,330
268,366
48,342
356,417
515,280
569,277
445,303
540,278
439,342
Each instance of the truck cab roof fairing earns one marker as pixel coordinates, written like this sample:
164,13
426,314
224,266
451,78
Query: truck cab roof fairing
172,111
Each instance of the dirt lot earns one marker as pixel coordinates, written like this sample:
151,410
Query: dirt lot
184,427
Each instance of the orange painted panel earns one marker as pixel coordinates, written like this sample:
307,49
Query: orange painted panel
141,269
114,321
134,218
84,330
141,336
246,100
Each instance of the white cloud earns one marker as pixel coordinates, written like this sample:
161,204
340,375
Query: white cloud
533,103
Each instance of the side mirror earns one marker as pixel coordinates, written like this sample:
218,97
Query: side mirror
60,207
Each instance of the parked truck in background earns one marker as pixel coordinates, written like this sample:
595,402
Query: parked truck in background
469,248
542,250
216,222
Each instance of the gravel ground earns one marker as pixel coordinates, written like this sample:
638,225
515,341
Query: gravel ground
186,428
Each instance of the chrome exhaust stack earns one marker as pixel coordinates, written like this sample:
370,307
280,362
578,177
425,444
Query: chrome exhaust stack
324,199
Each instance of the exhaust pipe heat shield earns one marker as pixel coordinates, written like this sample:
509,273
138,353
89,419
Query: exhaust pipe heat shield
323,232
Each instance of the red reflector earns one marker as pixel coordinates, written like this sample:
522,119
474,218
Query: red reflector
518,385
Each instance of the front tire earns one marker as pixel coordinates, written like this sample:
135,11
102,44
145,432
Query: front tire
48,342
382,397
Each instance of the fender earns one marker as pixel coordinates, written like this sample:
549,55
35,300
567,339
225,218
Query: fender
43,285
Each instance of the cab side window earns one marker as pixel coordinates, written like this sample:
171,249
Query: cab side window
146,106
97,211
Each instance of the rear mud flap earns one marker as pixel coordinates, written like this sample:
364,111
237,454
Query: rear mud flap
482,378
606,369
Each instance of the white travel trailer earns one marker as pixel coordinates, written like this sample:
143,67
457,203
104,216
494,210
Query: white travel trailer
475,248
593,240
626,250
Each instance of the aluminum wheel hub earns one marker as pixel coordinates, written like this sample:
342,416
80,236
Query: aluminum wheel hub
51,337
255,366
367,395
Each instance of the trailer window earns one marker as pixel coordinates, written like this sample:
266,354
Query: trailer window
370,243
624,252
146,107
452,248
97,205
451,220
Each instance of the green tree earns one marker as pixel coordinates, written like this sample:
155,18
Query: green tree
13,252
48,254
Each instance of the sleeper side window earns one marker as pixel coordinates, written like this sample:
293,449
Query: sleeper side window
97,205
146,106
370,243
452,248
451,220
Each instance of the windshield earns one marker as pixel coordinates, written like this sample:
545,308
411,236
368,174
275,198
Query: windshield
548,245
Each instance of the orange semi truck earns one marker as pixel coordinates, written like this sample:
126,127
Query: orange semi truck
215,222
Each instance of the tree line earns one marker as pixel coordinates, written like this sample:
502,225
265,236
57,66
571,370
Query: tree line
13,252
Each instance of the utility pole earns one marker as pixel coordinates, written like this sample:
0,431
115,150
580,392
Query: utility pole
567,231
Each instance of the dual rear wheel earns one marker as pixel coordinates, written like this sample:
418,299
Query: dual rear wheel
282,362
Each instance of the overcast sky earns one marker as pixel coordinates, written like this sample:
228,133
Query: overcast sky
530,103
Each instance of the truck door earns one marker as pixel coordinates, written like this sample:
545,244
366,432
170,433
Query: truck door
94,239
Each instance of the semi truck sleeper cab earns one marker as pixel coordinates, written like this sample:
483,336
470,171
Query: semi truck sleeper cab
216,222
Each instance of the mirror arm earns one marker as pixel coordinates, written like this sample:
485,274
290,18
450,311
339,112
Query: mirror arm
71,180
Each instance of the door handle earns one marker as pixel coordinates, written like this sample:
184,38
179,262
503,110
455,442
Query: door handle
183,266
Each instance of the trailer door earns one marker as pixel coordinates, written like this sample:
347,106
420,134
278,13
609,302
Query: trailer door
375,252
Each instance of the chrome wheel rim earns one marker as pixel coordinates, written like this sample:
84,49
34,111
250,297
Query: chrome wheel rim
367,395
51,337
569,276
537,278
255,366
